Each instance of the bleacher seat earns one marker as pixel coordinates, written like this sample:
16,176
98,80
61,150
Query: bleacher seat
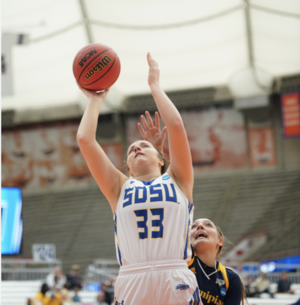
80,222
17,292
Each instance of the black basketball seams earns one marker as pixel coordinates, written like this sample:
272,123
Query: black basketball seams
80,54
90,63
106,72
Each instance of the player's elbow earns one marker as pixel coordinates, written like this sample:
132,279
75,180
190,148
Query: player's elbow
83,139
177,124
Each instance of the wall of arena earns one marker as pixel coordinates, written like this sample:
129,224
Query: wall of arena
45,161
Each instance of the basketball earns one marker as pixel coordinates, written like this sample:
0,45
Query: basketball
96,67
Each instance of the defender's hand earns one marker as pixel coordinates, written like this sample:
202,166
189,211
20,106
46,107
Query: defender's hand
152,132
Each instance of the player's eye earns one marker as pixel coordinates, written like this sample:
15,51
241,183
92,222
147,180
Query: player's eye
209,224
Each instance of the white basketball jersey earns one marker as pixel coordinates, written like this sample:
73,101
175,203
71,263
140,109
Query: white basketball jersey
152,221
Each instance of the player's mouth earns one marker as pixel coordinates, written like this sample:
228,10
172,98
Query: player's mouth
201,235
137,154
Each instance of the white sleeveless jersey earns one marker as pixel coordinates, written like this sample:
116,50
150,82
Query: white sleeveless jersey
152,221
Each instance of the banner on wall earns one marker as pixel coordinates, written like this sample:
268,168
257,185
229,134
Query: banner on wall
114,151
262,147
290,109
216,136
48,156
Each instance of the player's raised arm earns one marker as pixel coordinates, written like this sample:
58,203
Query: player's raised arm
180,168
109,179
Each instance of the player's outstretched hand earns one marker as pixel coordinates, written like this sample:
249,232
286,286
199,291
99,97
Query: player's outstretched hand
151,132
93,94
153,76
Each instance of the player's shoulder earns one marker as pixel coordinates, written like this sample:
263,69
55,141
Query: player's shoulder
231,273
233,278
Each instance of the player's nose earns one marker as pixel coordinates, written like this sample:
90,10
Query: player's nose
137,148
200,226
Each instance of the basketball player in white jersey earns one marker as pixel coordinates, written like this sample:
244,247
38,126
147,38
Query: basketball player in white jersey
152,212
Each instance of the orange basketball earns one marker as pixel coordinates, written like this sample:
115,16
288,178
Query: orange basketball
96,67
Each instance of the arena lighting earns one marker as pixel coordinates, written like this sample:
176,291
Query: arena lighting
250,82
250,88
269,267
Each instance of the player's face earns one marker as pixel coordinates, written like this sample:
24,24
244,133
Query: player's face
204,235
141,152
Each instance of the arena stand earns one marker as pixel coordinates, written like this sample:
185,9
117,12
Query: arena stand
261,202
80,224
10,295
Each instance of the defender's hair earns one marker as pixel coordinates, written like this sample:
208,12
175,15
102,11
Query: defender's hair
221,235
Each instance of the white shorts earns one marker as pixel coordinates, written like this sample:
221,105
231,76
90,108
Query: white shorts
159,282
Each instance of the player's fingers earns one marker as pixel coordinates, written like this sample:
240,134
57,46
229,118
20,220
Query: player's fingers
149,59
150,122
157,121
164,131
79,86
104,93
144,122
141,129
84,91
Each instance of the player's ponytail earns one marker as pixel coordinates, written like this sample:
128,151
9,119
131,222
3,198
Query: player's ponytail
221,235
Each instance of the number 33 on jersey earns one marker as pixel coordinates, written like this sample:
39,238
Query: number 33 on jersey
152,221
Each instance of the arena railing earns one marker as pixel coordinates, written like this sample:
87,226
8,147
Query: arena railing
26,269
101,271
254,269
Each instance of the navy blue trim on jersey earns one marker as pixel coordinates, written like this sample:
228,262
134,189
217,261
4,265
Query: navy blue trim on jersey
116,231
185,252
120,257
148,182
195,300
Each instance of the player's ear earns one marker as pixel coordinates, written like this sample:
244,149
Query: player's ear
221,242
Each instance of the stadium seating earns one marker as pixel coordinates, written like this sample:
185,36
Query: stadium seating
16,293
80,223
255,200
249,203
